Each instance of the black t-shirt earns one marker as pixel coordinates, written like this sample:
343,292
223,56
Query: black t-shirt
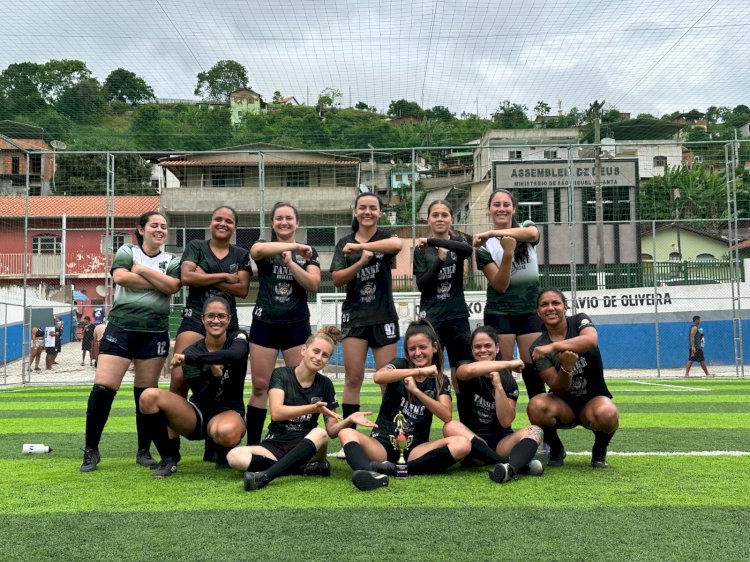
321,390
442,282
369,296
476,402
199,252
209,391
280,297
588,372
417,418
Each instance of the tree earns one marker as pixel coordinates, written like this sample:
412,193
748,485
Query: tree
86,174
61,75
404,108
362,106
327,99
439,112
220,80
511,116
85,102
276,96
126,86
541,108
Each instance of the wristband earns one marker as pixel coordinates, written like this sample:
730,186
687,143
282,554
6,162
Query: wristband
564,370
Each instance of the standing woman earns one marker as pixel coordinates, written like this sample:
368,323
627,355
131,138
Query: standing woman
439,271
210,267
362,261
568,358
490,393
87,339
137,331
509,262
37,347
416,388
287,270
214,368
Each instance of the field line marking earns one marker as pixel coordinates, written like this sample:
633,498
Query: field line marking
670,385
668,453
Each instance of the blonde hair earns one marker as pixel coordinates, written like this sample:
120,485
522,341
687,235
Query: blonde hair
331,334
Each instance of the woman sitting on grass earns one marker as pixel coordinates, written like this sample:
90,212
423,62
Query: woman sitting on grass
297,396
487,399
214,368
417,389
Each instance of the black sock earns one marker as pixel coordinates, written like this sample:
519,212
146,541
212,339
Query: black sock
221,453
348,410
532,380
302,453
144,440
256,419
259,463
356,456
482,452
552,439
97,413
432,462
521,454
601,442
155,428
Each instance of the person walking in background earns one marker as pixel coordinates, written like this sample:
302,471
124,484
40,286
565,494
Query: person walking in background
695,353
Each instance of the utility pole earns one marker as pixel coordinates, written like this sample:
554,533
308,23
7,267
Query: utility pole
595,113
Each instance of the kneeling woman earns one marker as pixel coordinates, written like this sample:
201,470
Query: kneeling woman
417,389
214,368
297,396
487,401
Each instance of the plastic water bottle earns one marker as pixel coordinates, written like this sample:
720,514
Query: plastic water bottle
35,449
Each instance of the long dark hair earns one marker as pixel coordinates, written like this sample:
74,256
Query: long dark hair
142,222
228,208
521,253
425,328
278,205
492,334
355,222
451,232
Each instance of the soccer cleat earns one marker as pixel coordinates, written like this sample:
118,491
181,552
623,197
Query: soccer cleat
165,468
383,467
209,450
91,458
340,454
599,461
367,480
317,468
501,473
542,453
255,480
557,458
143,457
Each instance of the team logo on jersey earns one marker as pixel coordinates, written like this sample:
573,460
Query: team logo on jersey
585,322
283,292
378,256
367,292
163,266
454,257
300,260
234,268
443,291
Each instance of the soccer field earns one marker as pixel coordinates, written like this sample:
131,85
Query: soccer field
677,489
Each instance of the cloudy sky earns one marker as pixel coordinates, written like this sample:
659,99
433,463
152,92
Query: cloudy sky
468,55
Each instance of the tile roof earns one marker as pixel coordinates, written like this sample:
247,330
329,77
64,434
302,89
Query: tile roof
77,206
27,144
245,163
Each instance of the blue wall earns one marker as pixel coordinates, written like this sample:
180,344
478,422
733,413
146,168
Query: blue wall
12,335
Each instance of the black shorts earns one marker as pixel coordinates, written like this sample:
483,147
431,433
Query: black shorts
697,356
517,324
204,415
377,335
281,336
134,345
455,337
50,350
493,439
576,403
280,448
191,323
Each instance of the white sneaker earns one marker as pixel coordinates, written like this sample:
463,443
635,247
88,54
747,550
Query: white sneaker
340,454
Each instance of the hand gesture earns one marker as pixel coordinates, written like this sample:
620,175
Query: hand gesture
442,254
350,248
361,419
217,370
568,360
481,238
516,365
421,242
305,251
366,257
508,244
410,384
428,371
541,351
178,360
494,377
286,257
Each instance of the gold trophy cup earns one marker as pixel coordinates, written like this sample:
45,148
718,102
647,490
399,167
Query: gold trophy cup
401,442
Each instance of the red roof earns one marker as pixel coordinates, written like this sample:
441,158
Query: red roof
26,144
77,206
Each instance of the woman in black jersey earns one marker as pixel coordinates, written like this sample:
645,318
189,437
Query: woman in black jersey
287,270
489,394
214,367
439,271
417,389
362,261
568,360
297,397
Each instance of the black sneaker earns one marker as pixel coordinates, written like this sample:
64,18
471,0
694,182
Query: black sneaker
501,473
143,457
165,468
367,480
255,480
557,458
91,458
383,467
598,461
317,468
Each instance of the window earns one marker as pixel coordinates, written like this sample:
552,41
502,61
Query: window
226,177
532,204
46,244
704,257
346,176
118,239
550,154
297,178
35,163
675,256
616,201
15,165
514,155
317,237
660,161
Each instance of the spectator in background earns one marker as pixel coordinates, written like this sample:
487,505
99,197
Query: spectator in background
59,327
37,346
695,353
87,338
99,315
50,337
98,335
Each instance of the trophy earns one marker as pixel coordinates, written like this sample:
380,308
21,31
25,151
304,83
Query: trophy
401,442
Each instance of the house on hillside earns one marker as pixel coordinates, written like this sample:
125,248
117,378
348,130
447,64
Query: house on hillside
245,102
251,178
23,150
66,239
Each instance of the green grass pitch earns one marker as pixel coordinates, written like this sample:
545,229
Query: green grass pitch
651,504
